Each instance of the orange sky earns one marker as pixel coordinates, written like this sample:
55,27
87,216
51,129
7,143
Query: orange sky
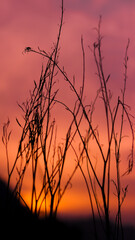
35,23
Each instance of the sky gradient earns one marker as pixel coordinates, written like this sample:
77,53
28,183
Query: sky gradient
35,23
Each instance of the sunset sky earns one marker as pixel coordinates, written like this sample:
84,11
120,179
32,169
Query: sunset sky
35,23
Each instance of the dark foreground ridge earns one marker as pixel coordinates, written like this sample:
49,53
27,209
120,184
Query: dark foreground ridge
85,226
17,221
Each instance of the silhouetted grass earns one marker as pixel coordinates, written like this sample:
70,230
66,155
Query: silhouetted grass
38,141
37,144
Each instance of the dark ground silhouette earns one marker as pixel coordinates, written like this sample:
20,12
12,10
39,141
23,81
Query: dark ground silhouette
85,226
17,221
